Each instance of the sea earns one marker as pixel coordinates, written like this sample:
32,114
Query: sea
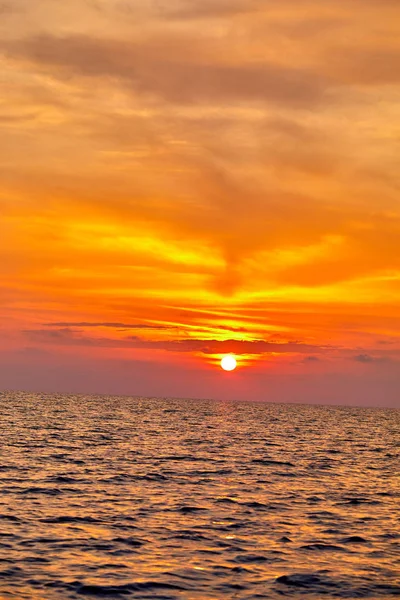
164,499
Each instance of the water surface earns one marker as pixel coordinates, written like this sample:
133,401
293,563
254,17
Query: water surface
106,497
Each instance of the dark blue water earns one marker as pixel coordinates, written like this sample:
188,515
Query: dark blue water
105,497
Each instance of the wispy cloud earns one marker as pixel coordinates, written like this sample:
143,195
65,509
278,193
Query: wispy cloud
206,9
85,324
163,68
69,336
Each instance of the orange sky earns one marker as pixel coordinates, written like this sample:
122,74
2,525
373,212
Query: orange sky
185,178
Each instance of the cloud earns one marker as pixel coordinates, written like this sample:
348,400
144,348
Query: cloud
86,324
229,346
366,66
7,7
171,69
364,358
205,9
70,337
61,334
138,326
391,357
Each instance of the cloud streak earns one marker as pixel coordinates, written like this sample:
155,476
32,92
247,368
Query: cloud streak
156,69
85,324
68,336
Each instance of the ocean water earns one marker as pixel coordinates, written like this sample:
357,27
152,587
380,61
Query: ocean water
107,497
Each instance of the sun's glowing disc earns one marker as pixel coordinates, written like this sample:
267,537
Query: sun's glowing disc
228,362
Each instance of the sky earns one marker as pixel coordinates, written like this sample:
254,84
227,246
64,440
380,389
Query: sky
181,179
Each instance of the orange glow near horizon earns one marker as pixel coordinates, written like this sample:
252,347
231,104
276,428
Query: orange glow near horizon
178,193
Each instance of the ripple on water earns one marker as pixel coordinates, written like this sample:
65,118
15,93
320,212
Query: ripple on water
173,499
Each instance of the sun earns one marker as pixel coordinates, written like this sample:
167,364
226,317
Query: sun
228,362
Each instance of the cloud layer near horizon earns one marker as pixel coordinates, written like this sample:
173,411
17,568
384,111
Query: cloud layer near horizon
202,172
